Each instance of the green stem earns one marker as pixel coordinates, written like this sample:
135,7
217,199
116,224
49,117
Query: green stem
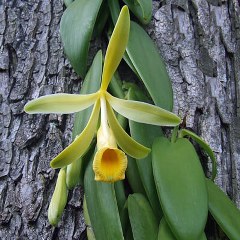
174,135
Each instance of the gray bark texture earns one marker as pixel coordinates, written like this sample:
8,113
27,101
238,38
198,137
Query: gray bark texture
200,42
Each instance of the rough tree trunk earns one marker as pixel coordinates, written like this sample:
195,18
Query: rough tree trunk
199,41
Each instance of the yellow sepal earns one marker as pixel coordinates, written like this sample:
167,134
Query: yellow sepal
81,143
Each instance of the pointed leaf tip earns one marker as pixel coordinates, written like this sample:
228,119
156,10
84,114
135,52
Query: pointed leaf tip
76,29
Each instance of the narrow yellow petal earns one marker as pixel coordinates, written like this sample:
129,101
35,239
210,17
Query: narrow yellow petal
143,112
109,164
59,199
81,143
116,47
60,103
128,144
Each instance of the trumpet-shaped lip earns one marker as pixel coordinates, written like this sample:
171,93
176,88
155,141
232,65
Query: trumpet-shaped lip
109,164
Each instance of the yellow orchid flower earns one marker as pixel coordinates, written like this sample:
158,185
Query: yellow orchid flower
110,163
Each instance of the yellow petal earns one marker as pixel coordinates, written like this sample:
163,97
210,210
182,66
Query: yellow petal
60,103
127,144
143,112
109,164
116,47
81,143
59,199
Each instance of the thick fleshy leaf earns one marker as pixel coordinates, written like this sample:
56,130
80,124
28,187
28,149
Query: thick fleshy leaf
205,146
166,234
146,135
101,20
82,142
120,195
67,2
90,234
60,103
150,67
143,112
121,202
59,199
76,28
143,221
128,145
141,95
142,9
102,207
115,86
181,187
226,214
116,47
133,177
114,8
91,84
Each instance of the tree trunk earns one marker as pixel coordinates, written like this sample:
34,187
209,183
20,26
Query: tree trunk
199,41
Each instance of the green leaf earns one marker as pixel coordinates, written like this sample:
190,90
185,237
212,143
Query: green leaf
60,103
165,232
133,177
91,84
73,151
114,8
146,135
121,201
116,47
181,187
143,112
150,67
90,234
120,194
76,28
102,208
67,2
226,214
101,20
59,199
143,221
142,9
128,145
115,86
138,91
205,146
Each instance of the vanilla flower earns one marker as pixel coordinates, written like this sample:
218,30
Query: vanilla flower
110,162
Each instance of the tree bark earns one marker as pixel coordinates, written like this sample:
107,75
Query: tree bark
32,64
200,43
